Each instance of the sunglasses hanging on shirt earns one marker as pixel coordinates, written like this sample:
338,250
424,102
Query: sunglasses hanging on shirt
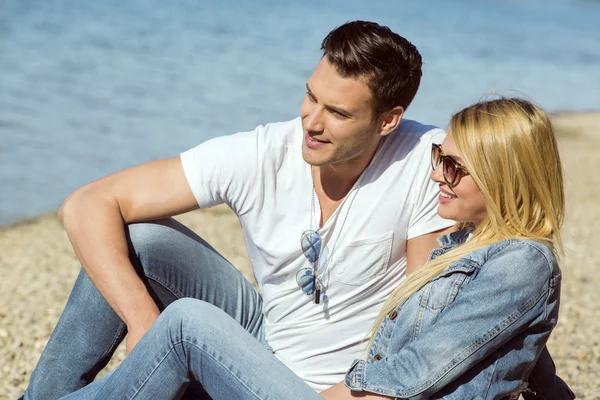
314,279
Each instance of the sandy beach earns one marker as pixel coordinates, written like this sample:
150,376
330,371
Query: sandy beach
38,268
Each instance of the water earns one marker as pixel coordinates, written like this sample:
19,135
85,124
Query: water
88,88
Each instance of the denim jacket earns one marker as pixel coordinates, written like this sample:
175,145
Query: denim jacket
475,331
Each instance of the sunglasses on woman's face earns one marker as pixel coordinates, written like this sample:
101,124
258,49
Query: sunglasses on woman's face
452,171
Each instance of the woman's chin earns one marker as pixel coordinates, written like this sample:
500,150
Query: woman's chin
447,213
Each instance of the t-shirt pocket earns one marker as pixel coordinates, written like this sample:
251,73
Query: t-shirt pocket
364,259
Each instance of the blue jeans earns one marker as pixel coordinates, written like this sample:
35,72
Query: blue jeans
196,341
174,263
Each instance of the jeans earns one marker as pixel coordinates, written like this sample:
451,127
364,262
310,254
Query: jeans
194,340
174,263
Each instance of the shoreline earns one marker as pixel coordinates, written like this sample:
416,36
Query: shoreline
559,117
567,113
39,267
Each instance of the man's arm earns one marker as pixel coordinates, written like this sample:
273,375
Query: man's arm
419,248
94,217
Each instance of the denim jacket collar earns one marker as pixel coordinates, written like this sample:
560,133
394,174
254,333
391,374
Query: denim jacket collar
455,238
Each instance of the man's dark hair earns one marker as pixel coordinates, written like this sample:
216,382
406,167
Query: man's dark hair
390,63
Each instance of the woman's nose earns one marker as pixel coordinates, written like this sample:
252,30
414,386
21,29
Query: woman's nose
437,175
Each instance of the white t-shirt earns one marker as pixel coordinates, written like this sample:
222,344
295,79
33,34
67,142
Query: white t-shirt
262,176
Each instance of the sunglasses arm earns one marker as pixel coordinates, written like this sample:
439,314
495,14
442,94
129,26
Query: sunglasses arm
316,286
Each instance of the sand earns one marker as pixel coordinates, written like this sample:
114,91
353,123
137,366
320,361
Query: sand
38,269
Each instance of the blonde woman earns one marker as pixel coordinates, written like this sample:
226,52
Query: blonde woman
473,321
470,324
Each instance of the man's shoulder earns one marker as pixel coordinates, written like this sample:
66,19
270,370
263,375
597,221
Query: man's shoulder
281,133
410,129
410,142
273,134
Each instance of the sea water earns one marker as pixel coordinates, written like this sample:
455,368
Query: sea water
90,87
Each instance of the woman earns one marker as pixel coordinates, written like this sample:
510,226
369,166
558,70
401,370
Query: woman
470,323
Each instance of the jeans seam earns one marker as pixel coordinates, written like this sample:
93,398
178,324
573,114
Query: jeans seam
166,285
115,341
122,325
202,350
153,370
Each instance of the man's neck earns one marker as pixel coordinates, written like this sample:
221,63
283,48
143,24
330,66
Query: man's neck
336,180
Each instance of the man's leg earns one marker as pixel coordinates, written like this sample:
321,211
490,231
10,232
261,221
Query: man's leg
174,263
195,341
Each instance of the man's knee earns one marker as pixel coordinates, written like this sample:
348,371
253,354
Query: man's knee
189,309
165,243
154,245
194,318
144,237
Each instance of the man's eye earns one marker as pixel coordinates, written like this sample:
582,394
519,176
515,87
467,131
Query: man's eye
339,114
311,97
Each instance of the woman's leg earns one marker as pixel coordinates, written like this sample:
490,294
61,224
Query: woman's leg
196,341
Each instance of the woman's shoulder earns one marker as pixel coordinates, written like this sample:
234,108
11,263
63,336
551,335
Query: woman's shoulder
519,257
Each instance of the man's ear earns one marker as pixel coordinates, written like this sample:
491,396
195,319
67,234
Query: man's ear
390,120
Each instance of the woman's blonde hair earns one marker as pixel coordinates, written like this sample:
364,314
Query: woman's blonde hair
508,147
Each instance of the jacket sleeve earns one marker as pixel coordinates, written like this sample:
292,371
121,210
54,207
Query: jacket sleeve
508,295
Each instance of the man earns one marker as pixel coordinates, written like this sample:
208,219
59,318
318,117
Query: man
348,170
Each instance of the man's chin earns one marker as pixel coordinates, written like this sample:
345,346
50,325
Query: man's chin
312,157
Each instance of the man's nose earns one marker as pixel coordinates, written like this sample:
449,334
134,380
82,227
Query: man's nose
313,122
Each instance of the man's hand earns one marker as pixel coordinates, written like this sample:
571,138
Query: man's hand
137,331
341,392
95,216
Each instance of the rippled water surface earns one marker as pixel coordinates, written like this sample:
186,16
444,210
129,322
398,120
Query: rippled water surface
88,88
